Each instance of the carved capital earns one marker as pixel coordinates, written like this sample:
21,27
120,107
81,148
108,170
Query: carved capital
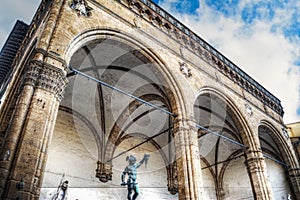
254,161
104,172
47,77
54,80
294,172
32,73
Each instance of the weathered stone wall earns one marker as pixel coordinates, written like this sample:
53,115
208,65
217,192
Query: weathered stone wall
209,190
278,179
236,181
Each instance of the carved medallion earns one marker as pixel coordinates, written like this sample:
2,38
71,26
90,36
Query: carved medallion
185,69
285,133
249,109
81,7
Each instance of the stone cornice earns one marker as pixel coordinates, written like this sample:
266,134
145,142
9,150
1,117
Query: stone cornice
166,22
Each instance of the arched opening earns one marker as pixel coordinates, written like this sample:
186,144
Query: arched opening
98,126
221,146
277,167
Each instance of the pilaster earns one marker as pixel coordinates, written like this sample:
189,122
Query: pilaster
294,175
13,133
256,167
188,161
31,130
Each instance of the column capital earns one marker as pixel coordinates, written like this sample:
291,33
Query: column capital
253,159
184,125
294,172
256,166
48,77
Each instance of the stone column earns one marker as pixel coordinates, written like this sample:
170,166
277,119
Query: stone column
15,127
294,175
256,167
31,132
188,161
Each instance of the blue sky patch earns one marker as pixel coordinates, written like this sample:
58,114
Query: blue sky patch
185,6
259,11
292,30
279,3
297,62
227,7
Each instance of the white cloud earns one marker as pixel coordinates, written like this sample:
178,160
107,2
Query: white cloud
266,56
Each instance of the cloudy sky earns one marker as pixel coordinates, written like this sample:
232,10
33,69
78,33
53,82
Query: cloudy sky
261,36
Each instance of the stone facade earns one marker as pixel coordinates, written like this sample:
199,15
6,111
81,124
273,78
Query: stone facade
149,85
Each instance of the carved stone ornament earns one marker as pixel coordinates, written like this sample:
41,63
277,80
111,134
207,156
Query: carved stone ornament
81,7
249,110
6,155
46,77
185,69
104,172
173,179
285,133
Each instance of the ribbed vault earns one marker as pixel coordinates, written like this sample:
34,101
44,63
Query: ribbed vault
218,154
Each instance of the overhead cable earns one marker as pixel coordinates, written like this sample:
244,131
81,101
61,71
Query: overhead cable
121,91
240,144
222,136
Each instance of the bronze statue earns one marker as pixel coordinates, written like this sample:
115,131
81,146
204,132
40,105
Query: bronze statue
131,171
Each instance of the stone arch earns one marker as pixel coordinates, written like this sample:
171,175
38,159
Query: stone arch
240,119
218,112
276,145
167,89
172,90
165,75
282,143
